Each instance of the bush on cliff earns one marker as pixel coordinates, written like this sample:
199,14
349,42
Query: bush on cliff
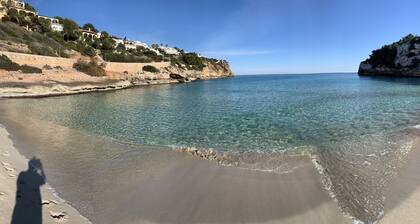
150,68
383,57
7,64
89,51
91,68
30,69
193,60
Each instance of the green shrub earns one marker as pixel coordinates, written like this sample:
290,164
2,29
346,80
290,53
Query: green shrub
91,68
193,60
47,67
89,51
41,44
41,50
150,68
383,57
30,69
7,64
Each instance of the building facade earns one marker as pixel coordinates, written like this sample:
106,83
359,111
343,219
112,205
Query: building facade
17,5
55,23
89,34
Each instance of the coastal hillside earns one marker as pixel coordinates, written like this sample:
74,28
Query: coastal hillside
401,58
55,56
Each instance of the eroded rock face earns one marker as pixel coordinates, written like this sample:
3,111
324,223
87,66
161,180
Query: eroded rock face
210,71
401,58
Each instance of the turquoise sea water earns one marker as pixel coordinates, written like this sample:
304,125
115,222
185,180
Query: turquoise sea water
358,129
245,113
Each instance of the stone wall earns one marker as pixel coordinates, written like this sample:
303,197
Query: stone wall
112,67
132,68
118,70
39,61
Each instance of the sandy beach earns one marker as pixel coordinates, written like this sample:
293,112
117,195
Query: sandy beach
54,209
109,181
163,186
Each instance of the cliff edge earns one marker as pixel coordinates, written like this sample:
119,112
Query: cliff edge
401,58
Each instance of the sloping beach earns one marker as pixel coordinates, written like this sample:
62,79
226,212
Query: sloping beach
54,209
163,186
403,196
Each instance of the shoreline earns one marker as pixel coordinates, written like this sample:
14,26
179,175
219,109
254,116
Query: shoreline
62,79
194,176
174,187
403,195
38,90
54,208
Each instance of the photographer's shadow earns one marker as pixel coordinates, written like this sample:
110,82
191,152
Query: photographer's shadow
28,207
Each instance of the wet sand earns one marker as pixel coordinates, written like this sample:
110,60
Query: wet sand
402,204
132,185
52,208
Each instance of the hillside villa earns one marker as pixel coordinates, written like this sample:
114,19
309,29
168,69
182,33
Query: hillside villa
57,26
55,23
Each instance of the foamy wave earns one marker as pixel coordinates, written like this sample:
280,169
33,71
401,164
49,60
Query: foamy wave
354,173
277,162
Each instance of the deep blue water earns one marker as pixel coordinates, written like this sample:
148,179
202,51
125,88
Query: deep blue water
260,112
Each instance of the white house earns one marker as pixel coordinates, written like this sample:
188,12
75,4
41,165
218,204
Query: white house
55,23
117,40
169,50
141,44
89,34
130,44
17,5
57,27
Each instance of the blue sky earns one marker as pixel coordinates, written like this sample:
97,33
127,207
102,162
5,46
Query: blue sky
255,36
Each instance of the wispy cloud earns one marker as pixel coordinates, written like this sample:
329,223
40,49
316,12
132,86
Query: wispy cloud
236,52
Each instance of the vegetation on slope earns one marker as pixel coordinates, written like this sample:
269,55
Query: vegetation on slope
37,43
92,67
387,55
150,68
44,41
9,65
30,69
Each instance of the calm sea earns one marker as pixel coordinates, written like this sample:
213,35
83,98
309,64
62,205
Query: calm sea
246,113
357,129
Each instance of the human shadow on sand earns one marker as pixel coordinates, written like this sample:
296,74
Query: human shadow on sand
28,207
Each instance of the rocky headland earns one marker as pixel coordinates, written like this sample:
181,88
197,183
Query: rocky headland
39,63
401,58
58,76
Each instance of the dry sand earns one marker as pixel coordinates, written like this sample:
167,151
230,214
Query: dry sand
54,209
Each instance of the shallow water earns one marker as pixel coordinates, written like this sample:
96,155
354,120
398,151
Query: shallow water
358,129
264,113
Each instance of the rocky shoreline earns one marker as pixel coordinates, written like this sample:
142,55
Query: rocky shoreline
30,90
62,79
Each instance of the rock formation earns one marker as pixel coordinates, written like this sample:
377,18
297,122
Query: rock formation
401,58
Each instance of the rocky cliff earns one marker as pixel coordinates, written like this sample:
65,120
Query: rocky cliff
58,76
401,58
211,70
